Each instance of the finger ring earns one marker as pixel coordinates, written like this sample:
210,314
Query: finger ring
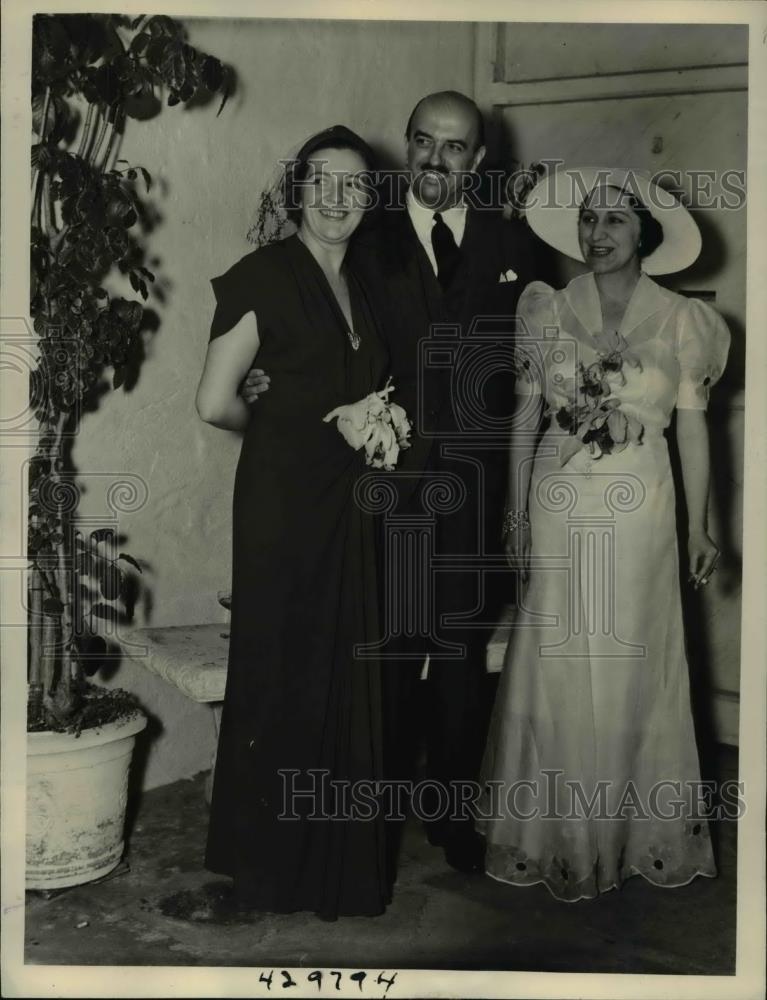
704,581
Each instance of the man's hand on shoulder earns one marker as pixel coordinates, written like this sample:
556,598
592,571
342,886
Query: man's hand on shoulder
255,383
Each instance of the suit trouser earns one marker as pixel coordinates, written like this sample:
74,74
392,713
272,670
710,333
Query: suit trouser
448,710
446,715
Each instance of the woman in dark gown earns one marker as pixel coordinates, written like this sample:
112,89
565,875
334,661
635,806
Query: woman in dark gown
298,702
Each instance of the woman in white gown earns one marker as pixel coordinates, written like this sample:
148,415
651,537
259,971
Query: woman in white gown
591,764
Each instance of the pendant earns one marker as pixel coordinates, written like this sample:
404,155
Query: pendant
354,340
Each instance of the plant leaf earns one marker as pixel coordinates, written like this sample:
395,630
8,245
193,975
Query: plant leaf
227,89
105,611
212,73
617,426
102,534
110,583
140,42
634,430
155,51
107,84
131,560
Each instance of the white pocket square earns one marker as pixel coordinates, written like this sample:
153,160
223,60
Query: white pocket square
508,276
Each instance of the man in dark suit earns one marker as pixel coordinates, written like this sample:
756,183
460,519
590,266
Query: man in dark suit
453,270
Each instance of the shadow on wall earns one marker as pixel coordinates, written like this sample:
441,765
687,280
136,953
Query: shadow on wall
714,257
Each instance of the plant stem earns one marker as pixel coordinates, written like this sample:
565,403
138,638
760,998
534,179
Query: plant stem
50,206
49,584
35,626
85,137
37,208
44,121
45,221
48,654
63,584
35,666
108,150
111,142
94,153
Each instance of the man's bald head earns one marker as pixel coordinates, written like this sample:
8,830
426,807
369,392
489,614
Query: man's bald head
448,100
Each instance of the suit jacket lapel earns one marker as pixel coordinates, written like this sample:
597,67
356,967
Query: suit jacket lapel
404,252
466,271
432,290
476,272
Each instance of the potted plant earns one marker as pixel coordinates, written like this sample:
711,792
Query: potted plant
91,74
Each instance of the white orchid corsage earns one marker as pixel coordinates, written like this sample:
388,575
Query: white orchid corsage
374,423
593,416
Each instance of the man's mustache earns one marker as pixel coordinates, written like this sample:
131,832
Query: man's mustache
434,170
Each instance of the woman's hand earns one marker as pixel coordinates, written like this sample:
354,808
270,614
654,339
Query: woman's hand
518,550
703,555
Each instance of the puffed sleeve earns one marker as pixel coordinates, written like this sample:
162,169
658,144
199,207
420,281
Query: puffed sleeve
703,342
536,313
234,291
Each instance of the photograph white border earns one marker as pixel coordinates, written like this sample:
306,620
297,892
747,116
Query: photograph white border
19,980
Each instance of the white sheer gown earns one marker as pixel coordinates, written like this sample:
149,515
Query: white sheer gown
591,762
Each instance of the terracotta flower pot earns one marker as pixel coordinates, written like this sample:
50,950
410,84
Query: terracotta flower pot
77,790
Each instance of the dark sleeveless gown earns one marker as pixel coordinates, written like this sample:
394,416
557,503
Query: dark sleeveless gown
304,594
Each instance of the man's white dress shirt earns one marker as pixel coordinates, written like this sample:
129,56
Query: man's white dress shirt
423,223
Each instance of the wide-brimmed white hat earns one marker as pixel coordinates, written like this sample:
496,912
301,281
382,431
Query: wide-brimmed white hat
552,208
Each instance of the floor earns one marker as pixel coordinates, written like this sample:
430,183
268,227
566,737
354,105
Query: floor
164,909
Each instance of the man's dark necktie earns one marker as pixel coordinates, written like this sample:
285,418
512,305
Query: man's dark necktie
446,251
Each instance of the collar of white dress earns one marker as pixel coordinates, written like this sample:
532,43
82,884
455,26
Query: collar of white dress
647,299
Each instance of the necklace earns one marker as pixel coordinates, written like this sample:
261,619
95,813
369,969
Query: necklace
354,339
